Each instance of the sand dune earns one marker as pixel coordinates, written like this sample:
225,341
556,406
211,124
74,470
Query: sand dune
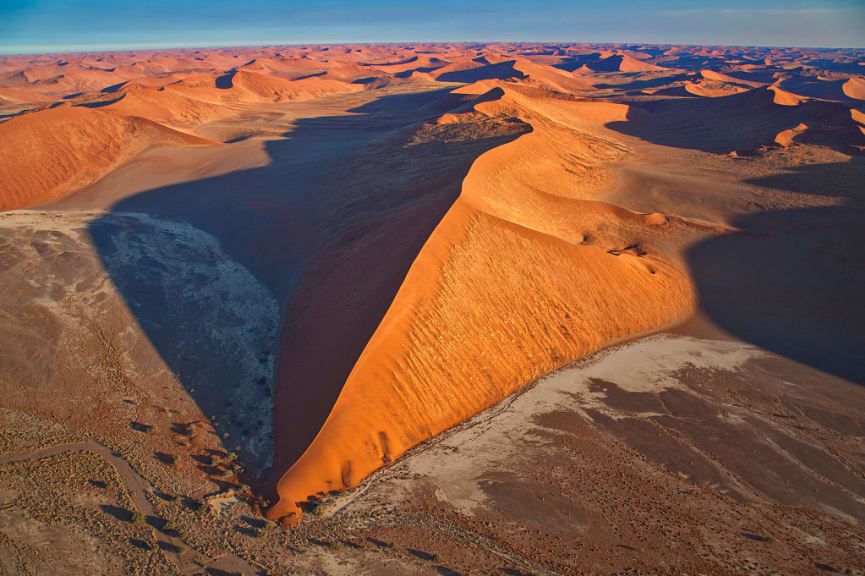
249,85
743,122
552,78
620,63
787,137
713,89
433,359
485,71
51,153
786,98
725,78
166,106
854,87
818,87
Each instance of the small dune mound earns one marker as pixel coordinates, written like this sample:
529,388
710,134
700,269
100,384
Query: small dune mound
727,79
786,137
253,86
785,98
656,218
620,63
167,107
50,153
713,88
499,71
854,88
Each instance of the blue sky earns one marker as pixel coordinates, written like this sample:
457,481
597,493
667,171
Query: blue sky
56,25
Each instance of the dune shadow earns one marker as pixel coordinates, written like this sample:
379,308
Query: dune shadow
815,88
498,71
740,122
226,81
642,84
792,280
576,61
260,287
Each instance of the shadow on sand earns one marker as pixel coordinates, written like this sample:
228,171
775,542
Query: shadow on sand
793,280
320,238
740,122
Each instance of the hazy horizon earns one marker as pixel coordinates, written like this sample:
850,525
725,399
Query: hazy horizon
85,25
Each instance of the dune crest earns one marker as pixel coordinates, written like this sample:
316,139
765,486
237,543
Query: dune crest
785,98
786,137
521,276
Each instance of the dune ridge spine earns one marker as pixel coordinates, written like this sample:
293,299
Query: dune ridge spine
509,286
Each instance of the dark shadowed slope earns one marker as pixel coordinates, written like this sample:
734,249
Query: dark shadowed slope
741,122
792,281
329,227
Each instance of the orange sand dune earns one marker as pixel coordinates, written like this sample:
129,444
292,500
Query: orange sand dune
819,88
620,63
503,70
715,84
855,87
285,67
785,98
520,268
743,122
719,77
50,153
168,107
253,86
243,86
787,137
553,78
21,95
713,89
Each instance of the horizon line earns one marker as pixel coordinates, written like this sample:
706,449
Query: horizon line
48,50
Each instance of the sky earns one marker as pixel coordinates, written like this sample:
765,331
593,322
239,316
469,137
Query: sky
66,25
